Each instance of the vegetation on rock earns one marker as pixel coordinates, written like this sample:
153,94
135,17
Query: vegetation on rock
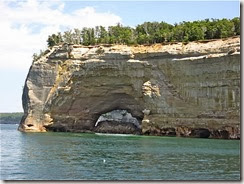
147,33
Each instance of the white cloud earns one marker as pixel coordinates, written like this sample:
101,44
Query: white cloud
25,26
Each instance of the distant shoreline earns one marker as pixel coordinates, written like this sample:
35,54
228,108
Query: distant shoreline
11,118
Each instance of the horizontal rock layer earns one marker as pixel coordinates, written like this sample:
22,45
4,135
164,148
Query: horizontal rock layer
175,90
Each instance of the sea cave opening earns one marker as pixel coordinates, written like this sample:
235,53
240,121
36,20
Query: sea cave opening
118,121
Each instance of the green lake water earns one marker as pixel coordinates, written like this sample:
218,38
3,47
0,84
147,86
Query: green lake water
77,156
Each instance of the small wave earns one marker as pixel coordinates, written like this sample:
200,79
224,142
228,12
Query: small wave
107,134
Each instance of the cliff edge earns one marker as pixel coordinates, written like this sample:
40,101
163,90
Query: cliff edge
176,89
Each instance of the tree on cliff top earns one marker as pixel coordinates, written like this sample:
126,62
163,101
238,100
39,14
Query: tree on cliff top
150,33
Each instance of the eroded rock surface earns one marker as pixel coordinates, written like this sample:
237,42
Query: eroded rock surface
175,90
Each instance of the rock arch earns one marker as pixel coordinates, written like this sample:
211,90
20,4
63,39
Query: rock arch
118,121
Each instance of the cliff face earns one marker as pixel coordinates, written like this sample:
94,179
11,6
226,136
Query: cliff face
177,89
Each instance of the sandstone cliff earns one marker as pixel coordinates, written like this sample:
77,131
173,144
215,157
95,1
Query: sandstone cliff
176,89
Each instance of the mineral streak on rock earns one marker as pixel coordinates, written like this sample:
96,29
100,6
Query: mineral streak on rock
173,89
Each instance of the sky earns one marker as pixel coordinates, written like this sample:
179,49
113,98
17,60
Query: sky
25,26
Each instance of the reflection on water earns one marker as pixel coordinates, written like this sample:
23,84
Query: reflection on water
72,156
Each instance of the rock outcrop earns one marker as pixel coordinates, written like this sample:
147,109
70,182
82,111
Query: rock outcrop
175,89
